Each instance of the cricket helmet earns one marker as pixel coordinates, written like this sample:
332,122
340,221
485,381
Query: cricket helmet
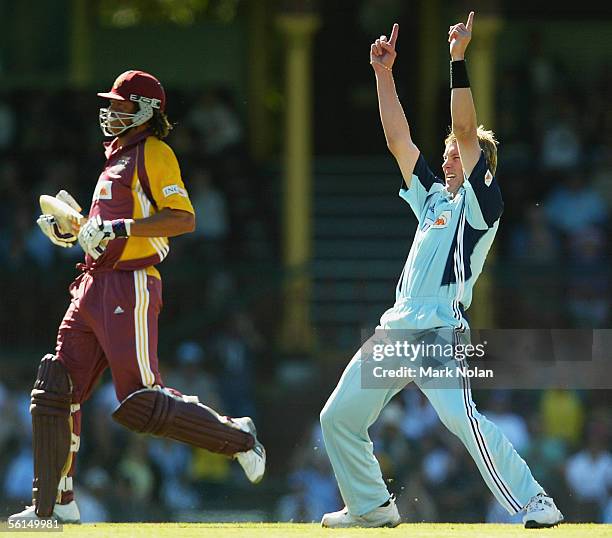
136,86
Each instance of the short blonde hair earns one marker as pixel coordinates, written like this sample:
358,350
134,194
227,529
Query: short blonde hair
488,144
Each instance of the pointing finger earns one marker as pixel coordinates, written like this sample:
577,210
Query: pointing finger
470,21
394,34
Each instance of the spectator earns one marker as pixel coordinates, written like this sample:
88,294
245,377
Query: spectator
589,278
17,487
236,347
589,476
173,461
93,496
217,123
533,241
135,468
574,205
194,374
210,206
420,418
391,447
461,492
312,485
561,145
212,221
546,456
562,415
511,424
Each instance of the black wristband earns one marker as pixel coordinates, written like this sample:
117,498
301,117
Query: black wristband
119,228
458,75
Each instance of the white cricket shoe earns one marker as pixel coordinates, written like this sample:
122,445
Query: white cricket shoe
64,513
383,516
252,461
541,512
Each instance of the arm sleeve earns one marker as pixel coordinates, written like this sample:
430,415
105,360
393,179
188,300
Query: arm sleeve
422,183
167,187
484,204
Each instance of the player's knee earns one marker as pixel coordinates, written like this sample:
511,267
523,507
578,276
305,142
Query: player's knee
327,417
52,392
143,411
454,419
334,416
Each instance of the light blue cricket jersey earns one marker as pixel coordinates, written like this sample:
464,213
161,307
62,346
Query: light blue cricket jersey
450,245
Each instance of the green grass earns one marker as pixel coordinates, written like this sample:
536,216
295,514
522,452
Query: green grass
284,530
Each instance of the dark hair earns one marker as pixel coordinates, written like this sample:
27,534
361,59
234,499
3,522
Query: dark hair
160,125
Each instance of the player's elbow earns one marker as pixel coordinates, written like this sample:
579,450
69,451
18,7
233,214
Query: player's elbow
464,130
397,145
401,147
392,146
190,223
184,222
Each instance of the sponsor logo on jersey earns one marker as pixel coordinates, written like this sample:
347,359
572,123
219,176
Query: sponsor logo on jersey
104,190
442,220
174,189
488,179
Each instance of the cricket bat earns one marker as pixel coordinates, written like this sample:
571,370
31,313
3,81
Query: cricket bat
68,218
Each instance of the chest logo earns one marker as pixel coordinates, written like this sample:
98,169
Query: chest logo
442,220
104,190
116,170
488,179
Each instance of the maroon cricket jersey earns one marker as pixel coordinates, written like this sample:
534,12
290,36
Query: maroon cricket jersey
139,178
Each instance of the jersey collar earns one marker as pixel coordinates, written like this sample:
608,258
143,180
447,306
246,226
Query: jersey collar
449,196
112,147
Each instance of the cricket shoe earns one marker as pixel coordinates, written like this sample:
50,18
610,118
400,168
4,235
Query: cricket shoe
252,461
541,512
64,513
383,516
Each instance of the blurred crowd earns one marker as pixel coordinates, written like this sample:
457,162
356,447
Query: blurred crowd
555,168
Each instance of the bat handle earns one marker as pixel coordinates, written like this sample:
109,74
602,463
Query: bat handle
76,224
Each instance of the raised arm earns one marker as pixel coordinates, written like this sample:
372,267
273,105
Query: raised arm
463,112
395,125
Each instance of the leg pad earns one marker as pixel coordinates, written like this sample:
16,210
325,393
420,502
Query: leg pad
50,410
164,414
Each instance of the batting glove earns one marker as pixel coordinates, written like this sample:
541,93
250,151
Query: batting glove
50,228
96,233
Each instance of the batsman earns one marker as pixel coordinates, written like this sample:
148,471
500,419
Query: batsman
139,202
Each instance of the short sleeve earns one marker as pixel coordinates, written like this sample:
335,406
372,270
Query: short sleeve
166,184
423,182
484,202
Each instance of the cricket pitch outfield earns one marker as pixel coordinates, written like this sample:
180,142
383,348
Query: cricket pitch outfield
289,530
